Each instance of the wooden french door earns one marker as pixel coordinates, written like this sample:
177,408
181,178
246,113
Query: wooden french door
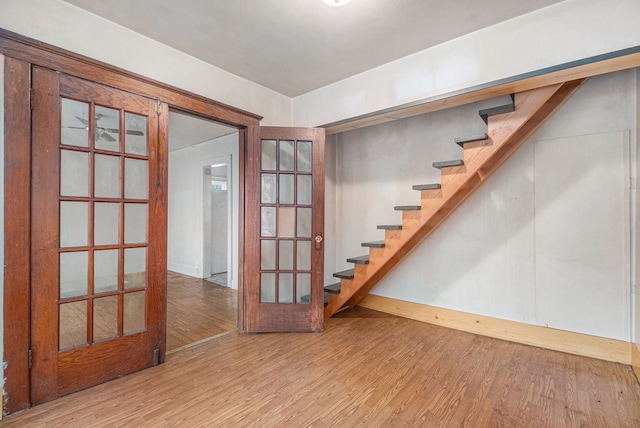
284,251
98,258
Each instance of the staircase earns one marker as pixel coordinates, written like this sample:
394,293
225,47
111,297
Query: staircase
508,127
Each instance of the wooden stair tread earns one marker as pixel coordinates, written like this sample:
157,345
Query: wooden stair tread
507,108
374,244
360,260
461,141
407,207
332,288
389,226
426,186
444,164
345,274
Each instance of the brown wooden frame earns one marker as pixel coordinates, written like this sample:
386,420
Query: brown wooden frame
283,317
21,54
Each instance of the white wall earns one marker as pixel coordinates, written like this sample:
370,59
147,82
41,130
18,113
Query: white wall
544,241
564,32
185,238
69,27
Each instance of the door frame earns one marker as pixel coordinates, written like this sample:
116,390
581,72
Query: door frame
21,54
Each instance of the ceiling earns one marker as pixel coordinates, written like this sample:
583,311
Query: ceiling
296,46
185,130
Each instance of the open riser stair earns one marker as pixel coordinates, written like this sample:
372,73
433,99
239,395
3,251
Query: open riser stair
508,127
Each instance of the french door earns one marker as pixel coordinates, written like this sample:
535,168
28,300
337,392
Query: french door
284,232
98,258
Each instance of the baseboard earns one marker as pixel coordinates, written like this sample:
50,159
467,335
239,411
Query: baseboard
185,270
635,360
543,337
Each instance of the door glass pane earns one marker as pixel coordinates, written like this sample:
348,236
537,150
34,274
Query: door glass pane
304,156
267,254
303,288
285,255
75,123
107,129
286,188
268,221
268,155
135,267
74,224
268,189
74,270
286,155
285,288
74,173
267,288
134,314
304,223
135,179
135,134
286,222
105,271
135,223
105,318
304,189
303,258
107,176
73,325
106,223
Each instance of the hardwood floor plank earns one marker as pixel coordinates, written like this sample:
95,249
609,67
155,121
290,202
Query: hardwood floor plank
369,371
197,309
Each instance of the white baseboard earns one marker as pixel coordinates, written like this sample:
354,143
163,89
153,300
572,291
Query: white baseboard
543,337
185,270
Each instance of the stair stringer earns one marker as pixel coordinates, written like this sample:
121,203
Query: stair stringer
506,133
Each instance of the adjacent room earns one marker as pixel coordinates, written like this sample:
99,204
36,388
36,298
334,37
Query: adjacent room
202,278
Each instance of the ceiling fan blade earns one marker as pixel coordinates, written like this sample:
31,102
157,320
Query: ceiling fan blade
76,127
86,122
106,137
132,132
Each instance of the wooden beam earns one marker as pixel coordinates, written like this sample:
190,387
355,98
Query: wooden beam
17,232
542,337
588,67
48,56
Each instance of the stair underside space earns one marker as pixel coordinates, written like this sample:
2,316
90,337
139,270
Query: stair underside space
506,132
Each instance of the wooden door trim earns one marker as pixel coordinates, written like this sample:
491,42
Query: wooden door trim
17,233
21,54
48,56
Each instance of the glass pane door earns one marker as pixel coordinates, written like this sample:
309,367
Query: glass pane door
98,232
283,277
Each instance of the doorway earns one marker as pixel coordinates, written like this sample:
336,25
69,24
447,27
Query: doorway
217,225
202,244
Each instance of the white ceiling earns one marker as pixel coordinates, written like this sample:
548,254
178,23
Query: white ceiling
296,46
185,130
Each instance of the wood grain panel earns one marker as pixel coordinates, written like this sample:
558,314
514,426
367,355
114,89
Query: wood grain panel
543,337
635,360
366,369
17,235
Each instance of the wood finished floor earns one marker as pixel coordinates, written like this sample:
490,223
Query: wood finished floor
197,309
367,369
